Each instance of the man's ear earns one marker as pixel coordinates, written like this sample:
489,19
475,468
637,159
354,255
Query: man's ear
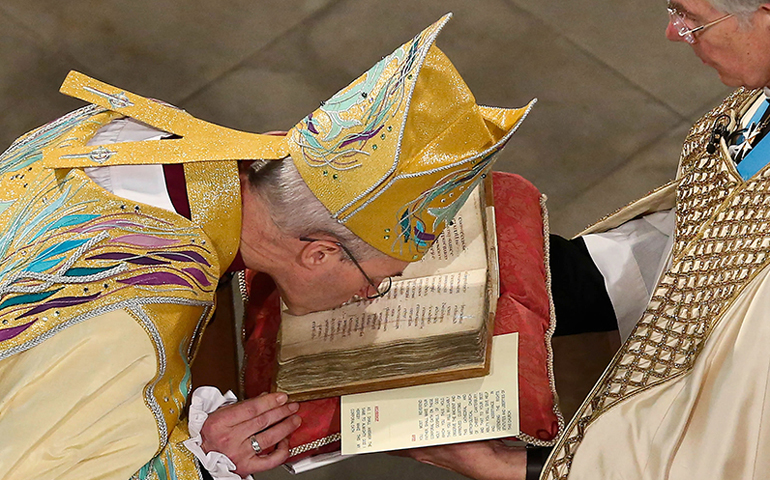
318,254
762,16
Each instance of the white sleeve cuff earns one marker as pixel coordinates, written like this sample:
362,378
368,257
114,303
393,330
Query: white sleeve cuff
631,258
204,401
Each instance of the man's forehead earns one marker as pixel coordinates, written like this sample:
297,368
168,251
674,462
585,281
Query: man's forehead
389,266
692,7
674,5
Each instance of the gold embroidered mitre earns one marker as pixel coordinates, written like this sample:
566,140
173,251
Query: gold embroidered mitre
395,154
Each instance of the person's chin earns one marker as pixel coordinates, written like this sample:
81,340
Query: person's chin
296,311
729,80
299,310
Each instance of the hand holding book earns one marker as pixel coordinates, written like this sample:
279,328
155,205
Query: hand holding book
485,460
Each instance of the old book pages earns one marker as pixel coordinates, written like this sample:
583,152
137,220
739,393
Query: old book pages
434,324
437,414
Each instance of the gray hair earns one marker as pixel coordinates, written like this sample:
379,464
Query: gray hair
296,211
740,8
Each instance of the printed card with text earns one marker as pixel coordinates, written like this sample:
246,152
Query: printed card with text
441,413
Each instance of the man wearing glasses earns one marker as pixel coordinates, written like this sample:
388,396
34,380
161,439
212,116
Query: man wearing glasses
686,396
118,220
687,269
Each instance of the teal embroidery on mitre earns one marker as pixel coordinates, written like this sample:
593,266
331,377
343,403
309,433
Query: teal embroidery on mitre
6,205
423,217
335,107
359,113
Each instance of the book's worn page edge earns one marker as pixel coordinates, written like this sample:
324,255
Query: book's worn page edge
426,378
493,264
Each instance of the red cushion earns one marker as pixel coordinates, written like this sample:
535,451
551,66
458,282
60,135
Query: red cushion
524,307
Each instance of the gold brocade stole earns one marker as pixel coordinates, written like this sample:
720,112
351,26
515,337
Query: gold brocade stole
722,241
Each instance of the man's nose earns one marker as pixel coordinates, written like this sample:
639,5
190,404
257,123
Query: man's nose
369,291
672,34
363,291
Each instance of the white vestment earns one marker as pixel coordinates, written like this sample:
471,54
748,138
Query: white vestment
685,397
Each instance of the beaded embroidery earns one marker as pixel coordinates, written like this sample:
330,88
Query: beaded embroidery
333,143
437,206
722,242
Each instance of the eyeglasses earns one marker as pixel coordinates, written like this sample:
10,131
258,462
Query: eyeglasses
684,31
382,289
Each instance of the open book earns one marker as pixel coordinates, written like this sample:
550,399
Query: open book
434,325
